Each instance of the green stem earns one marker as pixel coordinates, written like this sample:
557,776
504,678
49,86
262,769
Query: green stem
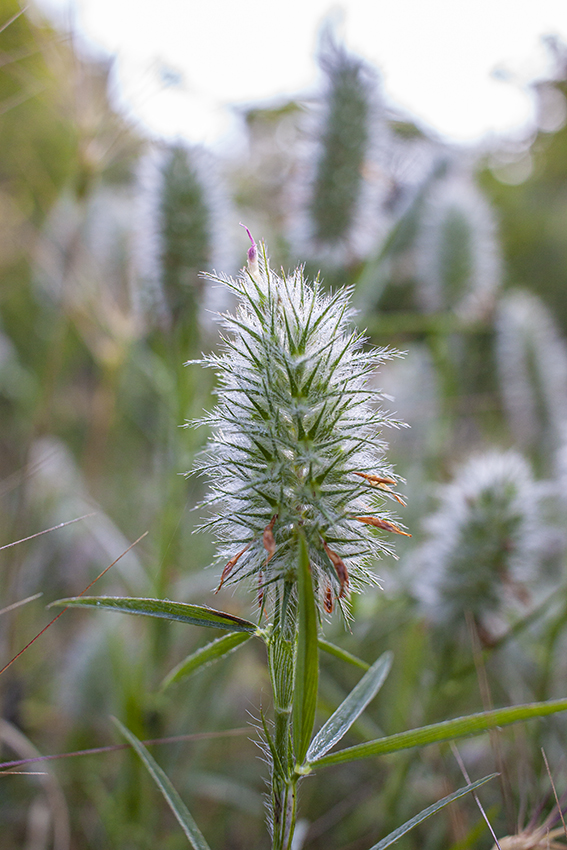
281,661
284,825
293,663
292,802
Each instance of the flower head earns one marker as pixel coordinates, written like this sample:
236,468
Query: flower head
458,261
341,180
183,212
532,366
485,540
295,446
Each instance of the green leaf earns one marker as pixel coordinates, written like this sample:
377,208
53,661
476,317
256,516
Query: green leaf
448,730
426,813
307,665
173,799
205,655
331,649
352,707
197,615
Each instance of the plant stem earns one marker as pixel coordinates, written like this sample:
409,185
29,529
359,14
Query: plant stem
281,661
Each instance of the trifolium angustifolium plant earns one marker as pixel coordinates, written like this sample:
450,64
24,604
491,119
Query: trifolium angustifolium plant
182,228
298,490
458,260
532,367
340,181
484,541
295,444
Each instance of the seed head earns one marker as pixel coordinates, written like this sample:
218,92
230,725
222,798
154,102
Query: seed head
295,445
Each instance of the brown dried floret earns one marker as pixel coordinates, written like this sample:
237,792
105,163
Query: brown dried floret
385,524
376,480
268,539
329,602
383,484
229,567
339,565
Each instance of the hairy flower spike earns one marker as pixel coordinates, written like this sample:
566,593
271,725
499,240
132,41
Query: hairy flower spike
485,541
532,366
183,215
295,441
341,178
458,262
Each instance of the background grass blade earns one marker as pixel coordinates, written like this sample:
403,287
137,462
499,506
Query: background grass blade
331,649
426,813
173,799
448,730
196,615
352,707
205,655
307,669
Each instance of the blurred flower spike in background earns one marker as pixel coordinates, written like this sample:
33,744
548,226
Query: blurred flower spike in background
340,182
485,542
183,227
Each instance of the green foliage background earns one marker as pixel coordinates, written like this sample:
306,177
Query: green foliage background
92,394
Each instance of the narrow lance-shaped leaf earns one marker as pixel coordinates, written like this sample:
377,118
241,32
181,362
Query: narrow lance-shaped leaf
196,615
173,799
331,649
426,813
448,730
307,669
352,707
205,655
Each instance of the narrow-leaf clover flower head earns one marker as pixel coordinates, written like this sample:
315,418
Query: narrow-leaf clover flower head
458,261
183,212
340,179
295,448
532,367
485,541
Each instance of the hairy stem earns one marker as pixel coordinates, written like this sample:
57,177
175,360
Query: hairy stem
281,659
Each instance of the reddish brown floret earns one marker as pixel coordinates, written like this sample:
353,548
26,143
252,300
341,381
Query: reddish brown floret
268,539
375,480
382,484
228,569
339,565
385,524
